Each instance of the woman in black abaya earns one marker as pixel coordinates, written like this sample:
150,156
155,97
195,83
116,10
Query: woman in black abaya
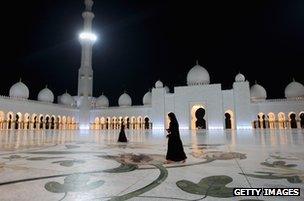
122,136
175,152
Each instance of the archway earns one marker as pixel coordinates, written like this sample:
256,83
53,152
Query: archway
41,122
18,120
302,119
53,122
34,121
133,122
102,123
26,121
2,117
281,119
147,123
139,122
96,123
200,122
127,119
272,120
227,120
9,118
58,123
293,121
47,122
108,123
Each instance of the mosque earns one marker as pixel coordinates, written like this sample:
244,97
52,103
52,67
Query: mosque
199,105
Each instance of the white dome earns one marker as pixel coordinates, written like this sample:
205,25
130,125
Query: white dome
257,92
102,101
67,99
124,100
198,75
46,95
147,99
159,84
294,90
240,78
19,90
167,89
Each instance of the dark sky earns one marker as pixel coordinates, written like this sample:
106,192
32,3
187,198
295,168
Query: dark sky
142,41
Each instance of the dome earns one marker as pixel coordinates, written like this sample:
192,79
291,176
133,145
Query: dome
124,100
257,92
102,101
294,90
159,84
147,99
198,75
240,78
66,99
167,89
19,90
46,95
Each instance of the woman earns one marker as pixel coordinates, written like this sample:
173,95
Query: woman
175,152
122,136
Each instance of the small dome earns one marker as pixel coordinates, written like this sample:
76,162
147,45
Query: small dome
19,90
167,89
102,101
159,84
294,90
198,75
124,100
257,92
240,78
67,99
46,95
147,99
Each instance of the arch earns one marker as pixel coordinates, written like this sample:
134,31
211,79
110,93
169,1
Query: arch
198,114
41,121
292,120
26,121
133,122
147,122
108,123
272,120
52,122
2,120
281,120
18,120
47,121
96,123
34,120
127,122
229,119
114,123
301,116
58,123
139,122
10,119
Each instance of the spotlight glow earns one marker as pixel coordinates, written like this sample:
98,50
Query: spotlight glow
88,36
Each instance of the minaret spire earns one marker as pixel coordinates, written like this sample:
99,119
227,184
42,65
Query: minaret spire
88,4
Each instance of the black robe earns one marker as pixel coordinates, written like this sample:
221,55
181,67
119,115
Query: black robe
122,136
175,150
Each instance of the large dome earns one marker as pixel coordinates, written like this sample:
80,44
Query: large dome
46,95
198,75
257,92
67,99
159,84
19,90
125,100
240,78
294,90
102,101
147,99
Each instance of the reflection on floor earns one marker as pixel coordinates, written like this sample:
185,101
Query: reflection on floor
91,165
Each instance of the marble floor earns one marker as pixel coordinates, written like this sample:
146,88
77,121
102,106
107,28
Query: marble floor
91,165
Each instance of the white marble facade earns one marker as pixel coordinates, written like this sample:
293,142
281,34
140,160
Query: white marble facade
242,107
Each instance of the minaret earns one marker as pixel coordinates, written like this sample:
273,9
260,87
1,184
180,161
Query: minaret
87,39
85,73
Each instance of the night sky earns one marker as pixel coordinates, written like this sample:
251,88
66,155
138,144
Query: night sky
143,41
